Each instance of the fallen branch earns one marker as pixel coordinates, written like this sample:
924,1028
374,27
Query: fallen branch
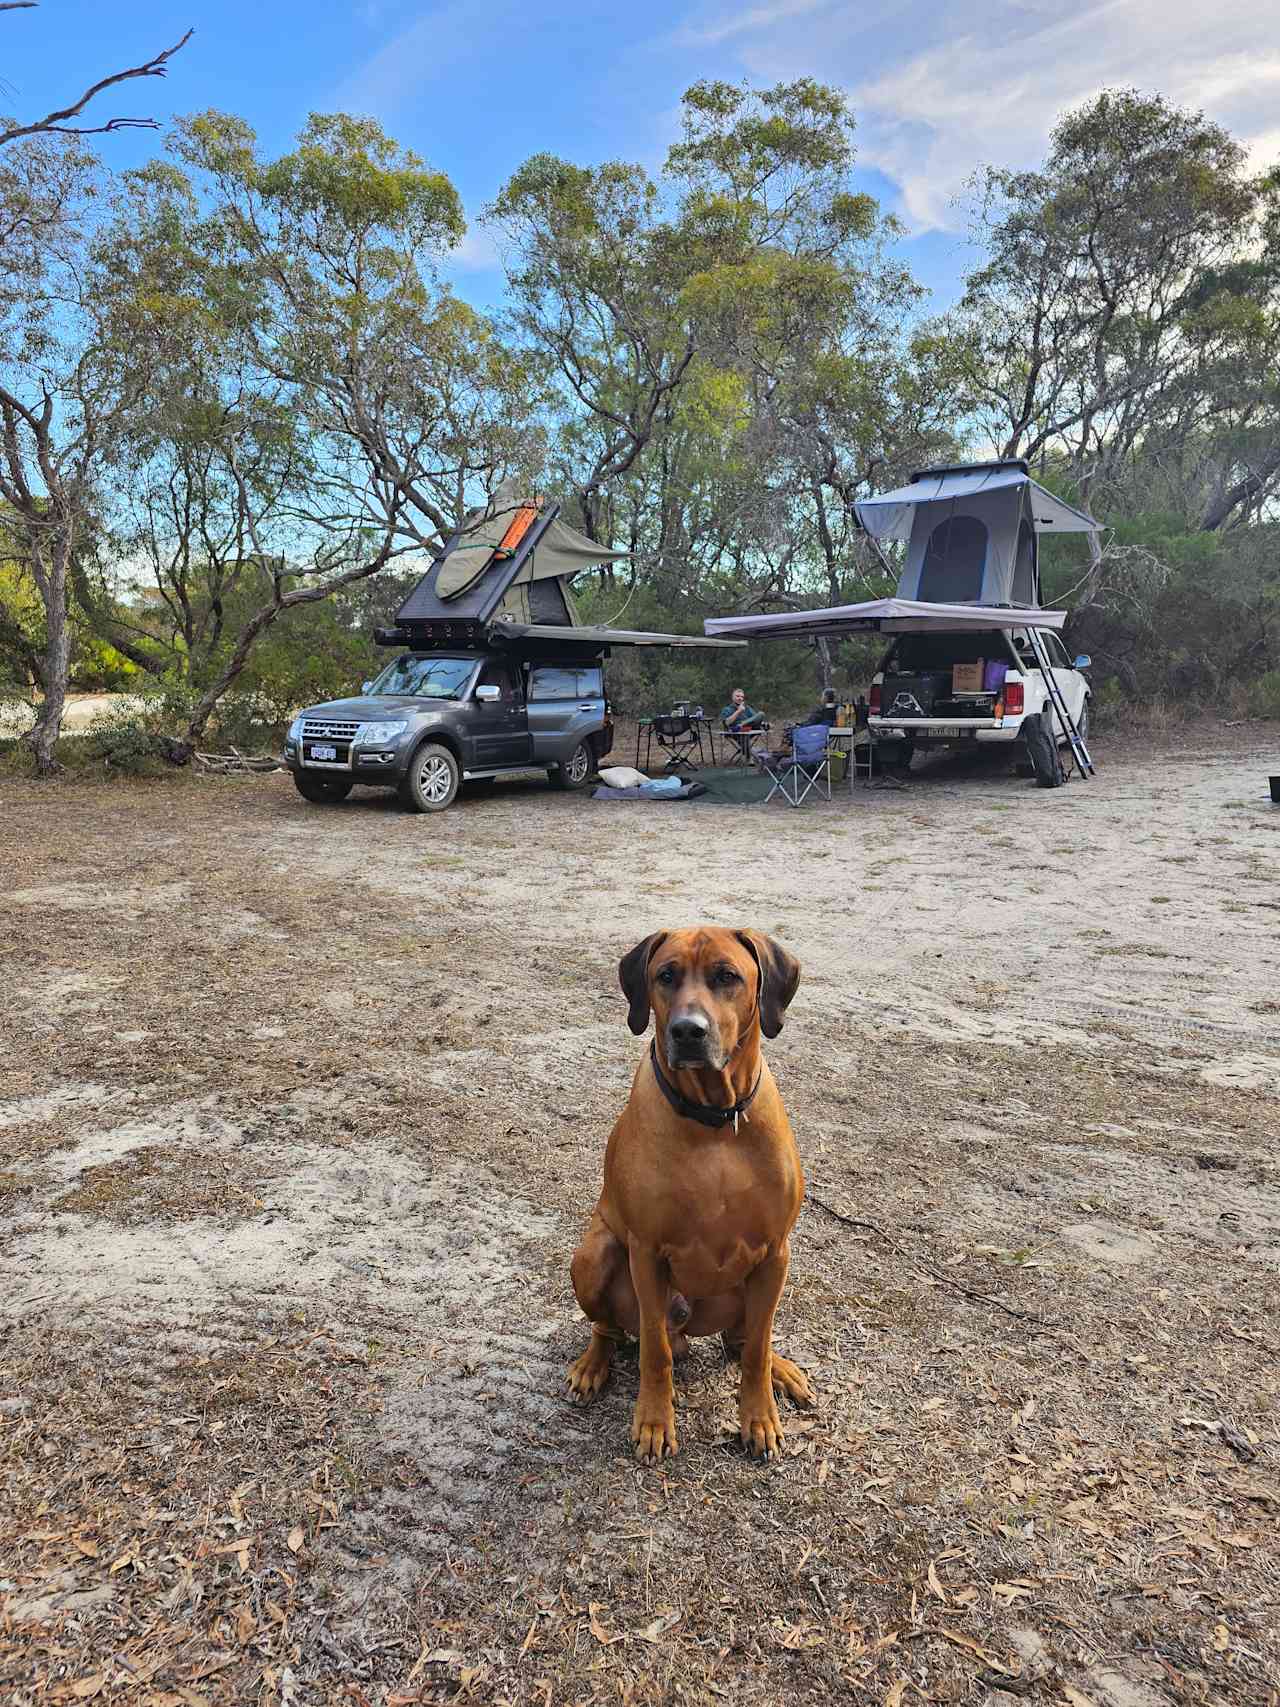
940,1275
226,764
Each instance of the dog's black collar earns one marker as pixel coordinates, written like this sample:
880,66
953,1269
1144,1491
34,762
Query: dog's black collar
702,1112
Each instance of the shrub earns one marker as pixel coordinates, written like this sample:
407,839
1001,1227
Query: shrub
1264,695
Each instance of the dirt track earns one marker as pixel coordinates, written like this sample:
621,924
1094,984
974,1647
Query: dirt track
303,1108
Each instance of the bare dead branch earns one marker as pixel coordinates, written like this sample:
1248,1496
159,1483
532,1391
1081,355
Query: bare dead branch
53,123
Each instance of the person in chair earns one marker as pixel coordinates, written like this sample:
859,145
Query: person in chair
739,722
826,711
738,717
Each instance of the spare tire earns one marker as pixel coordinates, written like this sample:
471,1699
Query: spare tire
1042,752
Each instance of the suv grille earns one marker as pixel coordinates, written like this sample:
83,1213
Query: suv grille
321,729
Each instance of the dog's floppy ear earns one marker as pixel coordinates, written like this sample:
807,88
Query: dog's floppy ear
633,975
779,977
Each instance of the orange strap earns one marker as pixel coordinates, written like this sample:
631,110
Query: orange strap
521,522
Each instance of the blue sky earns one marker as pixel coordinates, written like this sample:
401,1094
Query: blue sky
937,86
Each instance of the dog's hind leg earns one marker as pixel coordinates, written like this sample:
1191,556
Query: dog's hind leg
602,1282
786,1377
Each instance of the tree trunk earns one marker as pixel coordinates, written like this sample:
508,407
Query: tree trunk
1243,492
42,737
204,707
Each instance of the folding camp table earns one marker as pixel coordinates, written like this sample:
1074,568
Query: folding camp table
703,729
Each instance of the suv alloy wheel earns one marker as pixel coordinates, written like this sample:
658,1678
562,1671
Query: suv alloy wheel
575,772
432,779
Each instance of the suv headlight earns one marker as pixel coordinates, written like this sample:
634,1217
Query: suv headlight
295,730
379,734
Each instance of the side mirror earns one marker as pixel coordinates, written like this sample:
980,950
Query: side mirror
487,692
365,686
1082,662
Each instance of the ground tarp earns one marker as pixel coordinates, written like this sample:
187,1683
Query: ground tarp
733,785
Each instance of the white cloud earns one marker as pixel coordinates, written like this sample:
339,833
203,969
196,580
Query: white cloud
478,251
724,26
941,89
424,50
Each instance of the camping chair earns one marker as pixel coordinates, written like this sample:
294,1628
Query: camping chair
678,736
739,742
805,768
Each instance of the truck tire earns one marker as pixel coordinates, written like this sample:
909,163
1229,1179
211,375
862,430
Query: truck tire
432,780
1042,752
576,771
322,790
894,756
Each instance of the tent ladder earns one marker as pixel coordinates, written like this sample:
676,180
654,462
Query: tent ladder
1079,752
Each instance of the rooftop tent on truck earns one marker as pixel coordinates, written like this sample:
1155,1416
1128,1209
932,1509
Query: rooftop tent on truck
970,532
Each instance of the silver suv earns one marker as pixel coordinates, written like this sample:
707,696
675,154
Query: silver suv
434,720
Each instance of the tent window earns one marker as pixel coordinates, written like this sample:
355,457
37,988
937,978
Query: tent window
1024,569
953,561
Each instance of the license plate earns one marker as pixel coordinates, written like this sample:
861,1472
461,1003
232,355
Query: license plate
946,729
324,752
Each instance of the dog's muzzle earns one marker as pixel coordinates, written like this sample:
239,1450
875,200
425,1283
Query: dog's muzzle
693,1040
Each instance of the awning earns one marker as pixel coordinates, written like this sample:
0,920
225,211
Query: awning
892,616
889,514
500,631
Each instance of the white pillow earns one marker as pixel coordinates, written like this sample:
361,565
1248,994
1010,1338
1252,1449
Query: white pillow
622,776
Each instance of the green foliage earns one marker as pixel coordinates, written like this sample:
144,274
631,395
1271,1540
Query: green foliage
124,742
1264,695
288,410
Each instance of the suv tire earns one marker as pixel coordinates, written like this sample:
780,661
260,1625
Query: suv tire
577,770
322,790
432,780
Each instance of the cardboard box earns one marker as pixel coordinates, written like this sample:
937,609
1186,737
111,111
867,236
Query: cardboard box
967,678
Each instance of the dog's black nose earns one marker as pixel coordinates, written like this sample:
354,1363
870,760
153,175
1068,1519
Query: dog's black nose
688,1031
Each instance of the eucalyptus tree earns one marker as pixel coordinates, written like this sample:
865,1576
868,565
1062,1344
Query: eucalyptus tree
66,390
726,341
318,405
1086,318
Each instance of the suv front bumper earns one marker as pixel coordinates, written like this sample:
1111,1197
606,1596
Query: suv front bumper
378,767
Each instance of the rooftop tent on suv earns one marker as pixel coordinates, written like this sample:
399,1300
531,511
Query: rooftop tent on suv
510,561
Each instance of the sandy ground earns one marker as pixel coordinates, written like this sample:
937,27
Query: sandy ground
303,1108
82,711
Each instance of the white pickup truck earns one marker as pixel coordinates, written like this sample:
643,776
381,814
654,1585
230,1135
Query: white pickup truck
952,690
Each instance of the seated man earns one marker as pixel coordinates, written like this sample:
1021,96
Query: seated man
738,716
740,721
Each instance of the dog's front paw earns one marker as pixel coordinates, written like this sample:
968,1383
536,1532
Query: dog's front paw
589,1374
653,1429
759,1424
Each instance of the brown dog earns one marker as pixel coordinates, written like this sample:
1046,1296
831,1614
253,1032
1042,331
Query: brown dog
702,1183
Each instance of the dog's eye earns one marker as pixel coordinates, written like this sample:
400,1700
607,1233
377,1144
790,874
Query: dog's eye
666,975
725,975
